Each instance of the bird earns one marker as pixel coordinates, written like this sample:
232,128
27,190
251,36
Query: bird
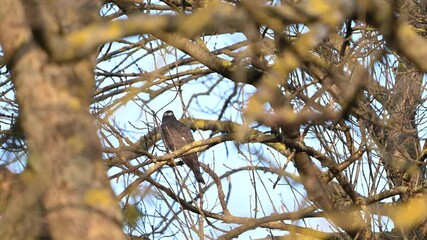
175,135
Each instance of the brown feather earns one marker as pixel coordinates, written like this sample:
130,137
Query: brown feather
175,135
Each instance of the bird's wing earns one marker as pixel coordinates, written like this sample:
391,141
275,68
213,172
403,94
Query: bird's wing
185,132
168,137
175,135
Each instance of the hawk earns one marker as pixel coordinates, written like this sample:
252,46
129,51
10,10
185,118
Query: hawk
175,135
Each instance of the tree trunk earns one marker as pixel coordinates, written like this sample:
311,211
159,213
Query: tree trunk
65,187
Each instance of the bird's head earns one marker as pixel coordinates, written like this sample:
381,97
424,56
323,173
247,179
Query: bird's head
168,115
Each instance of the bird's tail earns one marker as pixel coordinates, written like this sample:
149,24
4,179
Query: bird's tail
199,177
192,162
195,168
